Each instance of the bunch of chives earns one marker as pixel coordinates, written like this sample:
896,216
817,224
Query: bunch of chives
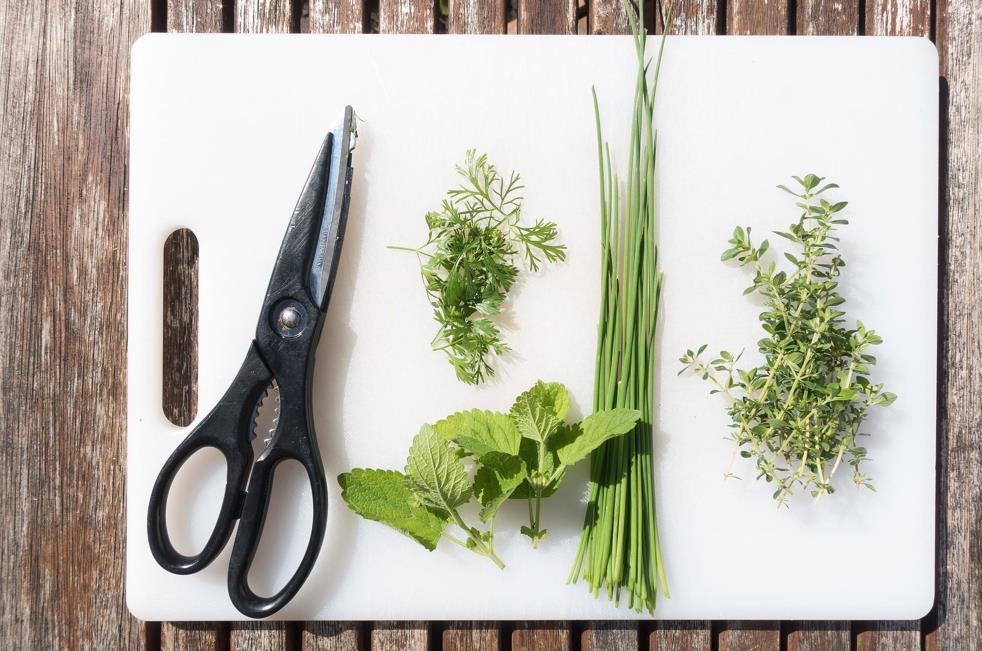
618,548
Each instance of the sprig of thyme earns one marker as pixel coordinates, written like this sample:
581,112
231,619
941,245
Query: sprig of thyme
799,416
468,262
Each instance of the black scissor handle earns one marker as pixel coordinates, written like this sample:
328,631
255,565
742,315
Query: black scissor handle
226,428
251,527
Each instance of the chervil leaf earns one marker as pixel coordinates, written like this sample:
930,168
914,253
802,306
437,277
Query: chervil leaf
435,474
382,496
495,481
573,444
539,411
480,432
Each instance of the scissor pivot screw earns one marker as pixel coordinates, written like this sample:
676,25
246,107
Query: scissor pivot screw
289,318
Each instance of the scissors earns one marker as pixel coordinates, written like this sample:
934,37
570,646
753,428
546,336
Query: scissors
280,356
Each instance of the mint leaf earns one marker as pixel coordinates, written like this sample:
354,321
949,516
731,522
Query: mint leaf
529,453
575,443
435,474
382,496
540,411
480,432
495,481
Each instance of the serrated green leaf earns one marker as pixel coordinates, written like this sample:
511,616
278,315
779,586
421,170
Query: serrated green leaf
576,443
495,481
435,474
529,453
383,496
539,411
479,432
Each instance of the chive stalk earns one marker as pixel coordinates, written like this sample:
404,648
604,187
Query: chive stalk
618,550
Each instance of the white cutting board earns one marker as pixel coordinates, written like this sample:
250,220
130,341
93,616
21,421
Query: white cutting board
223,132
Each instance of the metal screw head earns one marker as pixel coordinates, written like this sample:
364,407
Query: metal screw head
289,318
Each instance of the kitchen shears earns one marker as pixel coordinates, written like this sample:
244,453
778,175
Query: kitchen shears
281,356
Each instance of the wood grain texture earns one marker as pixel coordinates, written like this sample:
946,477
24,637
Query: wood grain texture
331,636
546,16
828,17
818,636
194,15
898,17
258,636
958,619
673,636
749,636
610,636
64,83
180,349
542,636
471,636
263,16
400,636
607,17
887,636
756,17
336,16
476,17
188,636
691,17
407,16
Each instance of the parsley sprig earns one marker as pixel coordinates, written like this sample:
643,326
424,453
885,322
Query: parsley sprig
468,262
799,415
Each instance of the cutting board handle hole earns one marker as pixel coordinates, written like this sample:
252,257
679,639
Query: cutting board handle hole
180,364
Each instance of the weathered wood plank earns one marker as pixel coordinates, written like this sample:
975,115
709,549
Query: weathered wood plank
607,17
400,636
958,618
818,636
407,16
826,17
64,83
692,636
194,15
476,17
471,636
542,636
750,636
887,636
898,17
755,17
331,636
547,16
610,636
258,636
337,16
192,636
263,16
691,17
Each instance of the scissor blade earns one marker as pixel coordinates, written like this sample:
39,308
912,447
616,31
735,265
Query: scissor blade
327,250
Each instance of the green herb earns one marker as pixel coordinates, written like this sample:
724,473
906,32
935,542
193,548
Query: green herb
468,262
619,548
522,454
799,415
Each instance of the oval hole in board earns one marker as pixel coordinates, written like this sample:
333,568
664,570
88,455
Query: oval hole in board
180,363
286,531
195,500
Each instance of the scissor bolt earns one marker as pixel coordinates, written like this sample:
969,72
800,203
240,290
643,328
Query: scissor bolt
289,318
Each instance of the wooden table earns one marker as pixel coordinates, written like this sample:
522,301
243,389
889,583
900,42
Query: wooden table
63,138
